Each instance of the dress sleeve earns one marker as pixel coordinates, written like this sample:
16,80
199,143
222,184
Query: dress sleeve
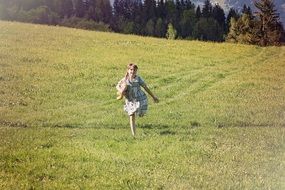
119,86
141,81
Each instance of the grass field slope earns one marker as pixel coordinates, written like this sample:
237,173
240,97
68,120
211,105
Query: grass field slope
220,122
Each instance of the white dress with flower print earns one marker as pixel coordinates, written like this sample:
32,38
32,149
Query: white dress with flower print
136,99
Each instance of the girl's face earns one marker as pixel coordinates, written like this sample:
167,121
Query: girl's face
132,72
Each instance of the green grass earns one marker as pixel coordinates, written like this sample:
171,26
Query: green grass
219,124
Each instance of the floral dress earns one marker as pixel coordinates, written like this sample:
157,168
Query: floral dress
136,99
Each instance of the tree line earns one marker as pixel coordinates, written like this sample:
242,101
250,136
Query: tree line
159,18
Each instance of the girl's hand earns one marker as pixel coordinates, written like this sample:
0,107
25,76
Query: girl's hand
155,99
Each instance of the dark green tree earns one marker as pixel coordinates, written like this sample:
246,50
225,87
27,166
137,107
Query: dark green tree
149,10
187,22
80,8
100,11
219,15
161,10
130,11
53,5
208,29
198,12
150,28
170,11
107,11
65,8
189,4
28,4
207,9
172,15
160,28
91,11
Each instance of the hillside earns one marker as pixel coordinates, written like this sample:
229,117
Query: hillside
219,124
76,71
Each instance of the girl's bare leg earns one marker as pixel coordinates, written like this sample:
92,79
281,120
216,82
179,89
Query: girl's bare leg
133,124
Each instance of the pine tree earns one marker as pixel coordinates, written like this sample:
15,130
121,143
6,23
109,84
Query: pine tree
159,28
118,8
80,8
170,11
187,22
268,30
66,8
172,15
128,13
189,4
246,10
101,10
149,8
161,10
219,16
91,12
207,9
208,29
107,11
198,12
150,28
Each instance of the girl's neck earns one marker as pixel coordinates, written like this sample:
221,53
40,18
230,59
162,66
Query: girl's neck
132,77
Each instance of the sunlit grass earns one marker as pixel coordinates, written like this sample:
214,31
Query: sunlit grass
219,124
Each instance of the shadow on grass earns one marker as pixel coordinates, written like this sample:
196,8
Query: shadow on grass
167,132
13,124
244,124
161,129
154,126
68,125
164,130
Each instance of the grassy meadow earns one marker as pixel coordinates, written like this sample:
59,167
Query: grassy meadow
220,122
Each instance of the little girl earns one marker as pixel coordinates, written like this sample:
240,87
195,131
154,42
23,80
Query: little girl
136,99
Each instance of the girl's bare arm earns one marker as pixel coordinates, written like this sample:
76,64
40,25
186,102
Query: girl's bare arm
155,99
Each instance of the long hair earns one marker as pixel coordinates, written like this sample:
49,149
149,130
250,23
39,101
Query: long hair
130,66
